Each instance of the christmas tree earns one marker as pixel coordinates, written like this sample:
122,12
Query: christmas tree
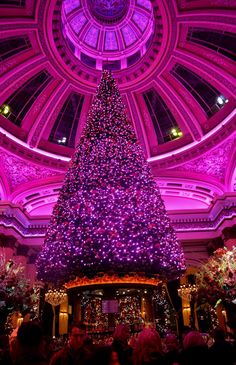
109,216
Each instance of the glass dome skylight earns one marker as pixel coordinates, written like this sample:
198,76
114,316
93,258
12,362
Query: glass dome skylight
108,33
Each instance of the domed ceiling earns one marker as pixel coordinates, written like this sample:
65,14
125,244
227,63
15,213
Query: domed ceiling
174,62
114,34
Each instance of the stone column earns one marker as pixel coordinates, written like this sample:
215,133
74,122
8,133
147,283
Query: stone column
76,309
63,318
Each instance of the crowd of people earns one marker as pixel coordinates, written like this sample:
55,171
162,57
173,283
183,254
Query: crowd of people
31,347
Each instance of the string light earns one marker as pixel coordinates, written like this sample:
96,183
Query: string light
165,317
187,291
110,216
55,297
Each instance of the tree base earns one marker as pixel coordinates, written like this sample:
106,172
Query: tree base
104,302
105,279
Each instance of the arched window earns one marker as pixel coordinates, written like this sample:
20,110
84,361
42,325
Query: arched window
23,98
13,45
163,121
14,3
65,126
208,97
220,41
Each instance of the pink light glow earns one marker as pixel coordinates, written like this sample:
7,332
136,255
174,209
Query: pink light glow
191,145
108,31
78,22
41,152
109,214
42,210
70,5
174,202
150,159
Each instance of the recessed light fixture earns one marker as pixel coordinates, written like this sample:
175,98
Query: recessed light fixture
63,140
221,100
5,110
176,133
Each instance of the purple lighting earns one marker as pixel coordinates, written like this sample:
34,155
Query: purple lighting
78,22
108,10
106,30
70,5
140,20
129,36
111,41
92,37
109,215
145,3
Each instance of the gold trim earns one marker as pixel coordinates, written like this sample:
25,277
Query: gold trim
112,279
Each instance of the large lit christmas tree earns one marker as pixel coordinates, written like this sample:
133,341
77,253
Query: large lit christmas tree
109,216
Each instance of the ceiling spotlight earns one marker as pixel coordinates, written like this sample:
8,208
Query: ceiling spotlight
5,110
220,100
175,133
63,140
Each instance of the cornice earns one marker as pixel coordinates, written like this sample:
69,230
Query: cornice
172,160
223,209
226,130
30,154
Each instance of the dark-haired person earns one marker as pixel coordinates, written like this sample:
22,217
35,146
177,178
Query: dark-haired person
5,357
172,351
120,344
30,345
77,351
195,350
104,355
148,349
221,351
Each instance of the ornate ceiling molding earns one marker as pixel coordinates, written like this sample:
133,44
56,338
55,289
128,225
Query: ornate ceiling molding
221,214
19,172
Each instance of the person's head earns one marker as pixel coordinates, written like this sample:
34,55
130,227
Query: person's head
185,331
114,359
148,347
30,335
105,355
193,339
171,342
219,334
122,333
4,342
77,335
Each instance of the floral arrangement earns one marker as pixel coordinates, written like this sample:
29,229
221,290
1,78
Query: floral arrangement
16,294
216,279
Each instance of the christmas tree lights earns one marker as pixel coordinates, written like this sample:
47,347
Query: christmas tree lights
109,216
92,314
130,311
164,311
